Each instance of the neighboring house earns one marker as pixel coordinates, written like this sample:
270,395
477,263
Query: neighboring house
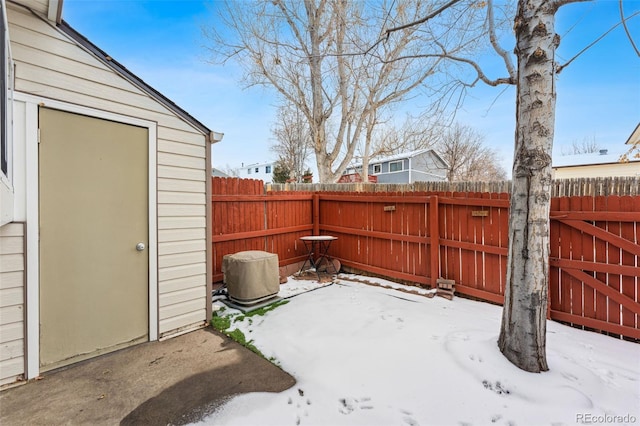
417,166
260,171
605,163
218,173
104,192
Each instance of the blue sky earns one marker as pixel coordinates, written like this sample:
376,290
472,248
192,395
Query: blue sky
598,96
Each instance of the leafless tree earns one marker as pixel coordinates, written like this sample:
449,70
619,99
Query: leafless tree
310,52
413,134
389,138
293,140
230,171
588,145
467,156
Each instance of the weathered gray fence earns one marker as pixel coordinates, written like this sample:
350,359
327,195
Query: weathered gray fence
560,187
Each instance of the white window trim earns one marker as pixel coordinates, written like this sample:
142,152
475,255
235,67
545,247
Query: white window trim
379,165
33,219
401,166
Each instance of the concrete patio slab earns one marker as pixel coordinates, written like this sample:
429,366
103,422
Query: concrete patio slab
176,381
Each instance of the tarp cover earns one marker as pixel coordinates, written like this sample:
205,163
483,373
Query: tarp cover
251,275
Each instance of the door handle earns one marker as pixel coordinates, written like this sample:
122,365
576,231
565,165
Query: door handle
140,246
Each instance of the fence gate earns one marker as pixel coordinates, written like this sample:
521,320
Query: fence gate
595,269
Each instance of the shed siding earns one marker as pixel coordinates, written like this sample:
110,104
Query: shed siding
12,285
40,6
49,64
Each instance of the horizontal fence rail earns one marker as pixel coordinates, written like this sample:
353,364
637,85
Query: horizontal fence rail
417,235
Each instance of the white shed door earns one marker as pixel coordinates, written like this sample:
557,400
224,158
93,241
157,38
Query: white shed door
93,214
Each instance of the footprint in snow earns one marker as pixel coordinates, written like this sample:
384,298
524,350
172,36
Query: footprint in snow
408,419
397,320
301,402
569,376
495,387
349,405
475,357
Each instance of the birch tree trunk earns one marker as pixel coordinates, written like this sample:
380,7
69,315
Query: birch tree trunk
523,331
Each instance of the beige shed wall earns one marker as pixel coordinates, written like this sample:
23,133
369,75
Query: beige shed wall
12,279
49,64
598,170
40,6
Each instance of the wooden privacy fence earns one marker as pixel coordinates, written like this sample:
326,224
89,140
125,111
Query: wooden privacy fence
243,218
418,237
422,237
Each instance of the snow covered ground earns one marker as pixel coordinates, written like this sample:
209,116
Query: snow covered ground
369,355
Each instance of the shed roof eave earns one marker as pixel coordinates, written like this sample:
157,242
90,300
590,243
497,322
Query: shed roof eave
54,14
137,81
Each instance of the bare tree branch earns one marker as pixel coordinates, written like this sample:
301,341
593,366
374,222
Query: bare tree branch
559,68
387,33
506,57
626,30
481,76
557,4
422,20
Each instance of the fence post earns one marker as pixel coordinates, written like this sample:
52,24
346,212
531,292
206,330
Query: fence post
265,225
435,239
315,212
